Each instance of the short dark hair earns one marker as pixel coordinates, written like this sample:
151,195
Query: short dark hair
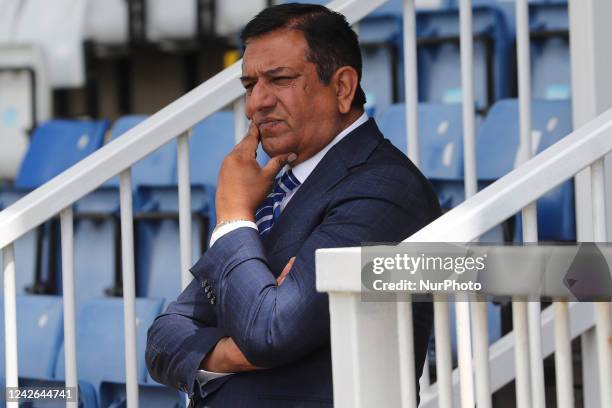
331,41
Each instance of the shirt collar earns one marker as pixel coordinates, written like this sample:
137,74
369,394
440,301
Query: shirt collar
303,170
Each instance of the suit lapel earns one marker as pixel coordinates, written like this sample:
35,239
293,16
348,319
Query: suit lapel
353,150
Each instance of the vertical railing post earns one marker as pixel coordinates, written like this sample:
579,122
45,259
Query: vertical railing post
462,306
529,213
464,351
563,356
184,194
404,308
405,339
129,287
521,353
411,79
602,309
480,334
10,320
443,351
69,297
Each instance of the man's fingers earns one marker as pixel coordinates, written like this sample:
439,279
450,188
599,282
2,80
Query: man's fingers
285,271
275,164
251,139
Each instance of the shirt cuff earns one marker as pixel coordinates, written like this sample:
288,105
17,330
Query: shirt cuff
227,228
204,376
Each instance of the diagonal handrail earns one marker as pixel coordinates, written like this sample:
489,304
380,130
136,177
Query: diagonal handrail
123,152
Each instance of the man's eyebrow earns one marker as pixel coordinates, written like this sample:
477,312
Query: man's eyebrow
268,73
277,70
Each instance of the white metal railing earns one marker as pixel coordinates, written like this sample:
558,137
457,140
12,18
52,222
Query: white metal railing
117,157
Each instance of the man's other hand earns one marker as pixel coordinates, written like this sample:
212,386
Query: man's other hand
285,272
226,357
243,184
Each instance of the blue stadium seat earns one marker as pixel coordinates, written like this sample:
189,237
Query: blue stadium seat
441,145
55,146
100,343
498,143
439,56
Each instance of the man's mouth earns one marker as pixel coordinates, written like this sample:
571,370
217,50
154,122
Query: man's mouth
269,125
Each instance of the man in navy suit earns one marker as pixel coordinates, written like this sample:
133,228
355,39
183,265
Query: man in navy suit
251,330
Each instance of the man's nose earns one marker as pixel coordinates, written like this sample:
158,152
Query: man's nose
261,98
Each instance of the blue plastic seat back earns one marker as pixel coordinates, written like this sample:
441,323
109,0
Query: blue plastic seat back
100,339
159,263
441,145
40,333
57,145
497,145
550,54
498,137
94,257
440,63
156,169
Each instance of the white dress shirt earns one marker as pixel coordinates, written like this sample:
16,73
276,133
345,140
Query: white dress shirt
301,172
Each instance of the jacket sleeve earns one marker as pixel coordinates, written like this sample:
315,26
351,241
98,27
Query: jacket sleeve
178,339
274,325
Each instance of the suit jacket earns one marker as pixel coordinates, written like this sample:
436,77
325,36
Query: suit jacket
363,190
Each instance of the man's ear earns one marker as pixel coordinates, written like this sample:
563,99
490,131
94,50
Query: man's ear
346,83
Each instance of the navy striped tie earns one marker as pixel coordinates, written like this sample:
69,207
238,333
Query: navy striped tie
271,209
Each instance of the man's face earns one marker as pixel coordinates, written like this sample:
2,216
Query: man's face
294,111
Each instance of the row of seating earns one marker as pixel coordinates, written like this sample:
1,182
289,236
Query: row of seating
100,351
439,62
